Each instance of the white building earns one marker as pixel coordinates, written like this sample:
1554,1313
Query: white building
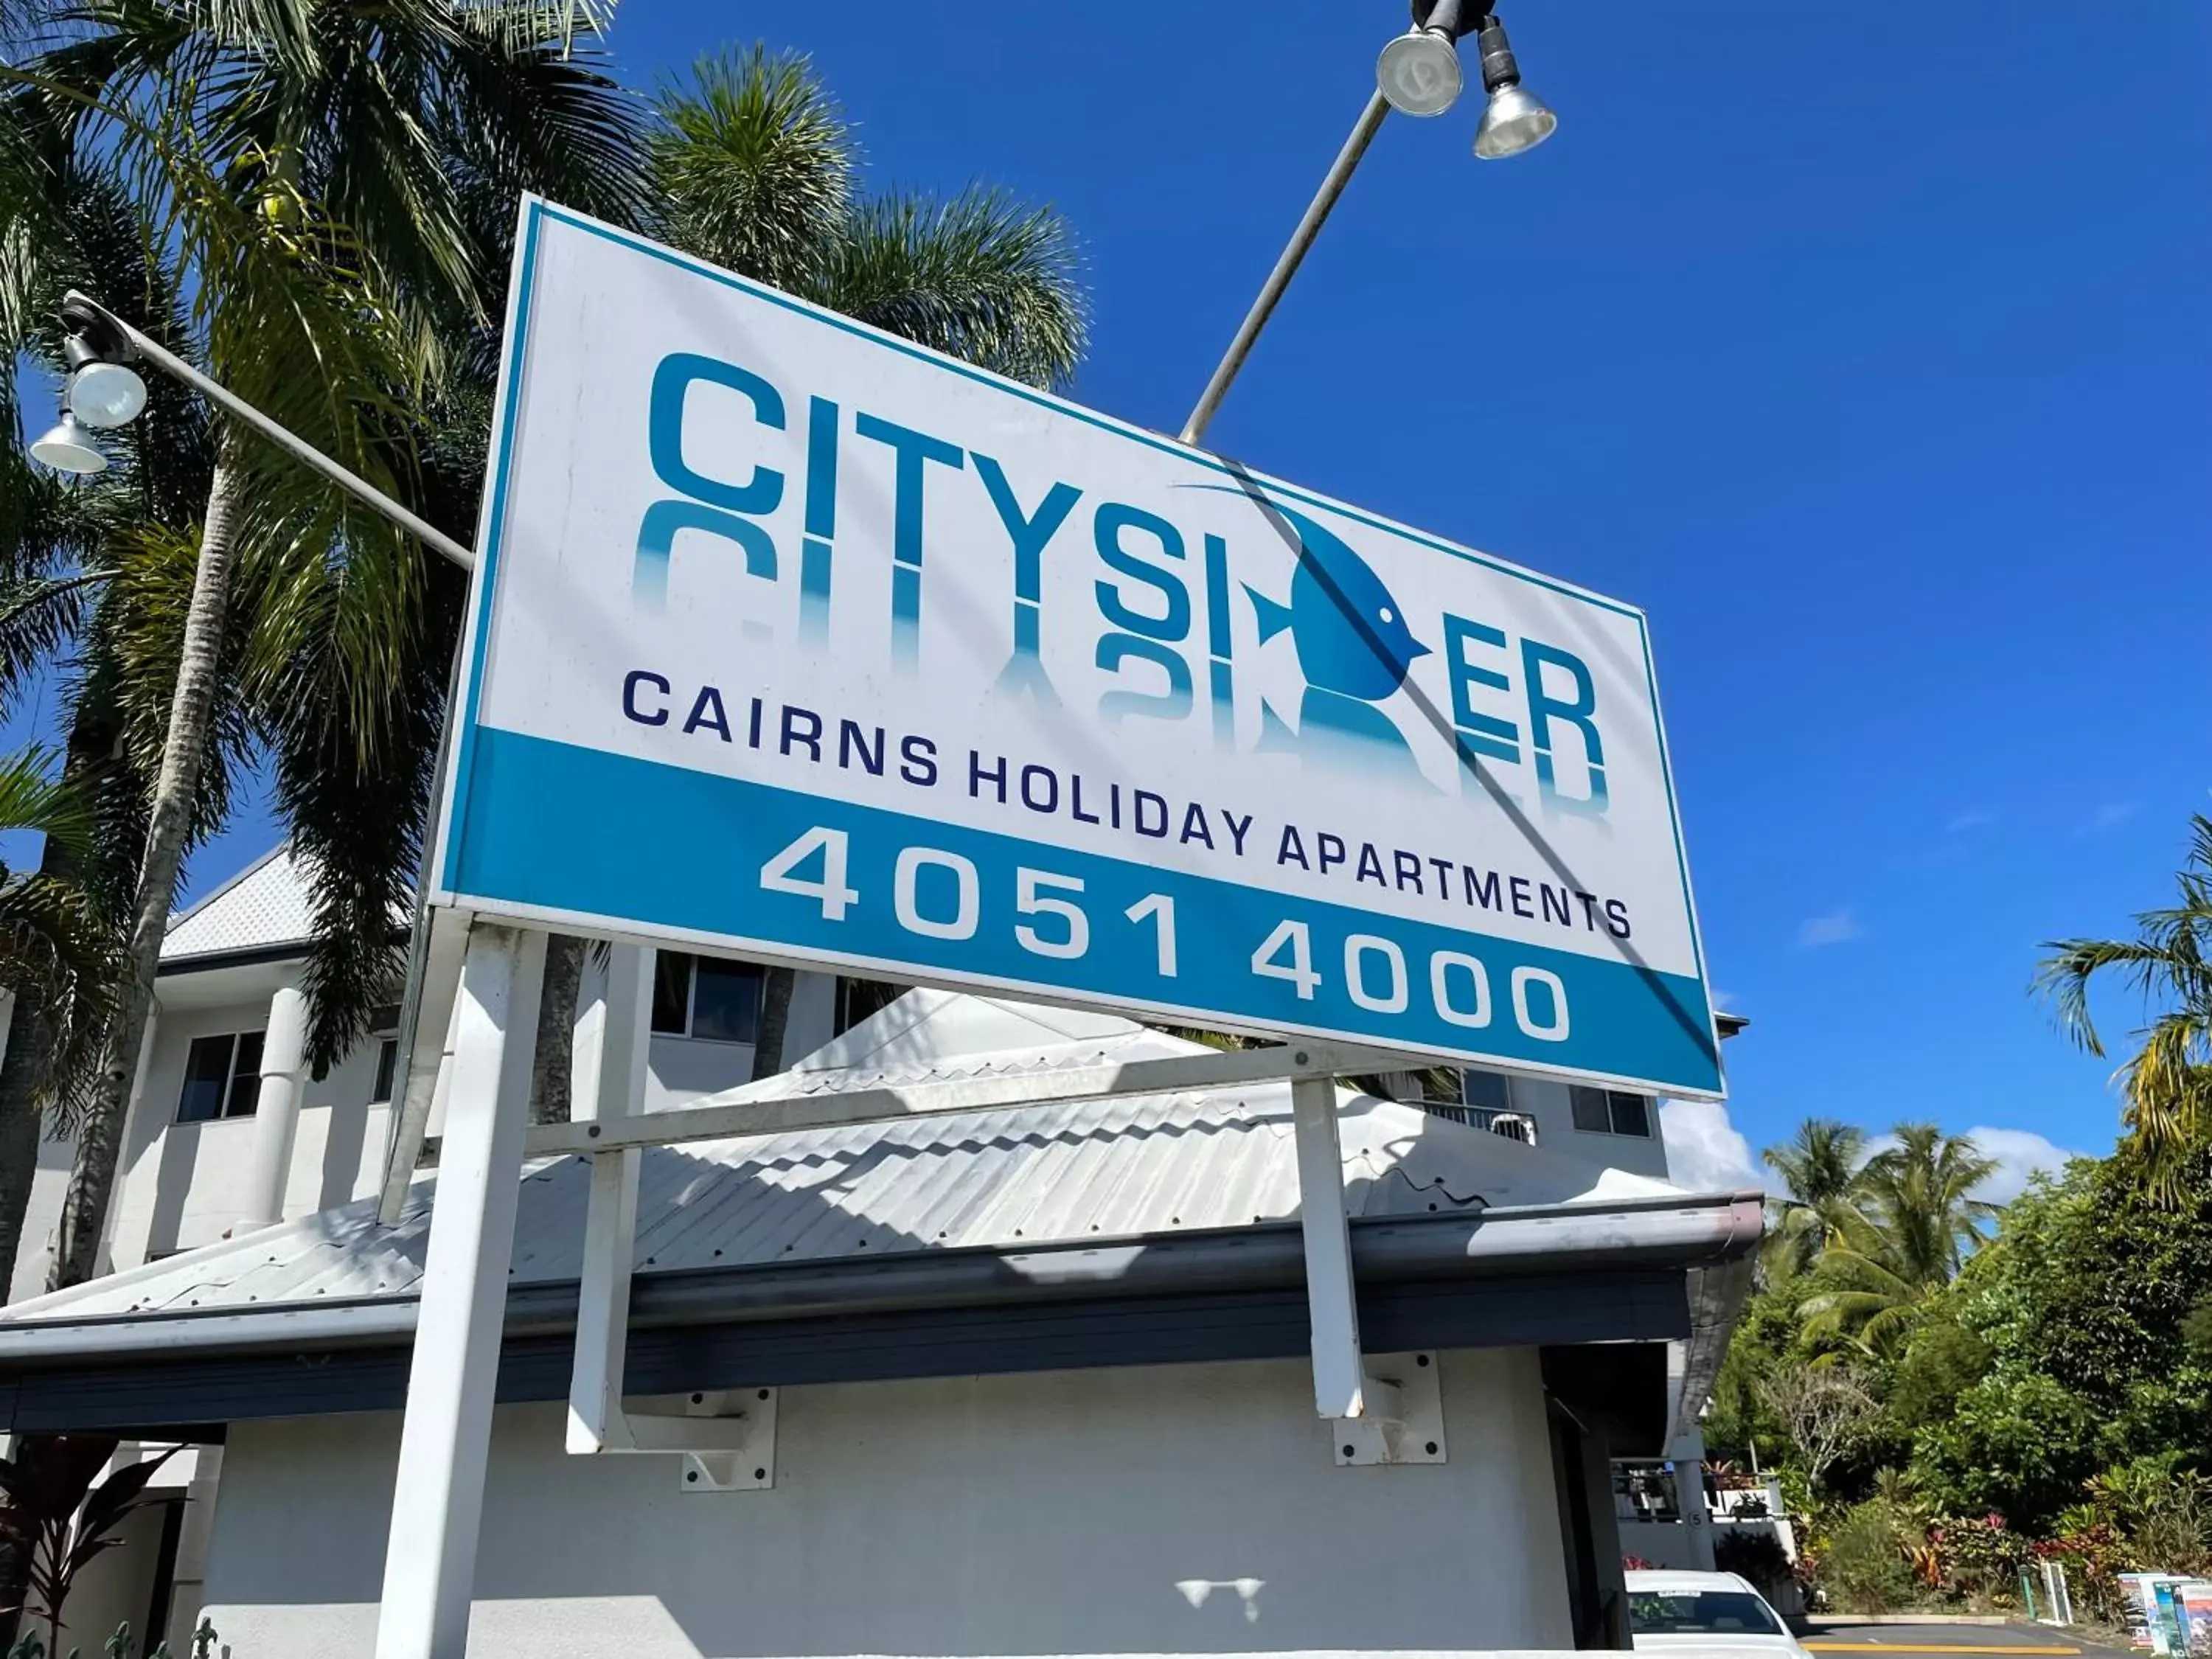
1033,1380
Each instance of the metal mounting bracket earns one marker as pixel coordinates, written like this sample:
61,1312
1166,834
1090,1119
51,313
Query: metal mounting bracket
1380,1411
726,1439
1404,1421
740,1423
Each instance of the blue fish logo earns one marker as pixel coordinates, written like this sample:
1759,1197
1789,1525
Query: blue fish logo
1354,649
1351,635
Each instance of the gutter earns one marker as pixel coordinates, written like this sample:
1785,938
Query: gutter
1669,1231
1717,1293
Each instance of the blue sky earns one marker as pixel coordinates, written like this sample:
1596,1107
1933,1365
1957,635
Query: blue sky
1874,362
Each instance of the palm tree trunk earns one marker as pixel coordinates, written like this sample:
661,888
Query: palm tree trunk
92,1180
776,985
554,1061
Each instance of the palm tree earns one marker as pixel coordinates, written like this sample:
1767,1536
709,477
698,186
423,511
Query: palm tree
59,960
1819,1169
86,585
1911,1223
331,172
2167,1085
753,167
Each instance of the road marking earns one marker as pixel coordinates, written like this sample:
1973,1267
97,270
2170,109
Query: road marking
1922,1647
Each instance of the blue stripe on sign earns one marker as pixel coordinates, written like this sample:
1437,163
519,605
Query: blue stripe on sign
557,827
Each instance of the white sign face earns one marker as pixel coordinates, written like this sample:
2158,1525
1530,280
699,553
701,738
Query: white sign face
794,639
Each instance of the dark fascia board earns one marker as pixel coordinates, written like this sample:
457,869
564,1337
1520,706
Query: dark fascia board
1674,1231
250,956
1447,1280
165,1396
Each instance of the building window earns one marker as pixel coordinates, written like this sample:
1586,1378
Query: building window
705,997
1486,1090
222,1078
384,1027
1611,1112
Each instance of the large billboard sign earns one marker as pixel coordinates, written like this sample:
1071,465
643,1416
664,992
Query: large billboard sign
793,640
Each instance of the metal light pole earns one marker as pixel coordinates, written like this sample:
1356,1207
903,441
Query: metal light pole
1418,73
103,393
104,340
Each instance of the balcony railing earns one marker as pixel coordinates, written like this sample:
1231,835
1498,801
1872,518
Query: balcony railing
1514,1126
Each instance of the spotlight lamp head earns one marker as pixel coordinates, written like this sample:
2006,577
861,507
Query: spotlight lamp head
66,446
1514,119
1418,73
102,390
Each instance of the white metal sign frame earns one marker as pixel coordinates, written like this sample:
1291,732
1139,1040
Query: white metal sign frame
719,628
484,958
1382,1411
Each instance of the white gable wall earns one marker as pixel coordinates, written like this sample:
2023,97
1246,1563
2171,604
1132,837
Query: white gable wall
1549,1103
185,1184
182,1185
1076,1512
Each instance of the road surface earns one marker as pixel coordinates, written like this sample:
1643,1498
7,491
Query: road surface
2013,1641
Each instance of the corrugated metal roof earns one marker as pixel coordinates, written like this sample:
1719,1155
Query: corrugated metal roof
1058,1172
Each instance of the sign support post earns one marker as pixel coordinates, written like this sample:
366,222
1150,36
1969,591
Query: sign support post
437,1501
1339,1378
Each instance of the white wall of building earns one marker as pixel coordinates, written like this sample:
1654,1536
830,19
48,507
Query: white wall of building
187,1184
42,1216
680,1070
1077,1512
1549,1103
182,1185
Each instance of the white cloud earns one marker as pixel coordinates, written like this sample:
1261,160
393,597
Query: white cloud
1837,927
2111,815
2020,1153
1705,1152
1966,820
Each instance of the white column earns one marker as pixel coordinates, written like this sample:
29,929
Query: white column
617,1080
276,1108
126,1165
1338,1376
437,1502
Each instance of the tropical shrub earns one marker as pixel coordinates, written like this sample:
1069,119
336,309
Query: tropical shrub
1867,1565
1755,1554
1978,1558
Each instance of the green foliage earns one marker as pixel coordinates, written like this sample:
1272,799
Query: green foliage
1911,1221
1867,1566
1756,1556
756,168
1819,1168
2167,1082
1941,1360
1978,1556
121,1645
2083,1303
2057,1377
2196,1331
56,954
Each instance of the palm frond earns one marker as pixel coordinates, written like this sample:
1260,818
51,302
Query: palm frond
33,797
2167,1083
59,959
982,277
754,162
